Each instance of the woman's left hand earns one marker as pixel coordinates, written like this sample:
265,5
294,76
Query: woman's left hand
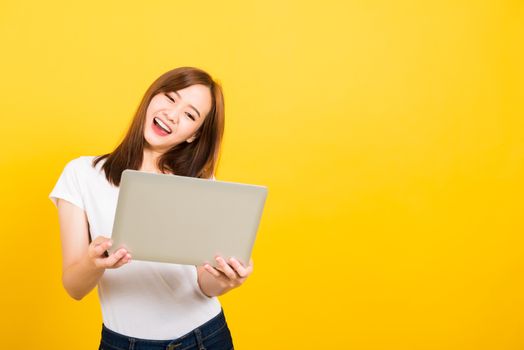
230,274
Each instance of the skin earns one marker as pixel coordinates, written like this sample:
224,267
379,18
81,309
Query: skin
83,264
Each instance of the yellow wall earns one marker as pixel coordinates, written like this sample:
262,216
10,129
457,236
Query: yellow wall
390,135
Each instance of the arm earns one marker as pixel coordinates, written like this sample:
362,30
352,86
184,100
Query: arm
82,263
225,277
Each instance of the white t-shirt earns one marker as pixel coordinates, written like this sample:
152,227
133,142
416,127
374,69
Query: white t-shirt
141,299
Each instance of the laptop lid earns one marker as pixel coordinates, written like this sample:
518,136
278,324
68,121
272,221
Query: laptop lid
186,220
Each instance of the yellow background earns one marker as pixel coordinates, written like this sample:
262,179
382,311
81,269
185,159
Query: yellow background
390,135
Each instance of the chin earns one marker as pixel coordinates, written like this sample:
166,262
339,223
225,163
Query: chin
153,144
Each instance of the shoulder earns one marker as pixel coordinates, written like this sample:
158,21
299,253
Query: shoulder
82,165
80,162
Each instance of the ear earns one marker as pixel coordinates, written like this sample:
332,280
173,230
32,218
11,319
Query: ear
192,138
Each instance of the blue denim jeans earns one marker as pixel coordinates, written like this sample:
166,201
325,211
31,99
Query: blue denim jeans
212,335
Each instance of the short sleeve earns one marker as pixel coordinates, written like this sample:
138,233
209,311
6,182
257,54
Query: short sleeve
68,186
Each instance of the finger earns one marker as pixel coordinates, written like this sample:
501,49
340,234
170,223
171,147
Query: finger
225,268
99,239
114,258
218,275
212,271
239,268
126,259
249,270
102,247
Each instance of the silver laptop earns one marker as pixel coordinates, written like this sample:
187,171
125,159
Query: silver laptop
186,220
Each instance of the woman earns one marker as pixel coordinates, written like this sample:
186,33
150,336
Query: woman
177,129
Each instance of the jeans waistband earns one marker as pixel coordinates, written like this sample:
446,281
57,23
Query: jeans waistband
192,338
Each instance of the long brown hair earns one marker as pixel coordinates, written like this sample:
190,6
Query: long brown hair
196,159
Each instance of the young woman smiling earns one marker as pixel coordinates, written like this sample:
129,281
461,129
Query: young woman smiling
177,129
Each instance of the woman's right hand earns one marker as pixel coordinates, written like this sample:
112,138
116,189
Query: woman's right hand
83,262
96,254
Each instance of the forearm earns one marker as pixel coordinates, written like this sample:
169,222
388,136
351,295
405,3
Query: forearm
81,277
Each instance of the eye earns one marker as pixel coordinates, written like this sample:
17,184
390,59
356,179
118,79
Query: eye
190,116
169,97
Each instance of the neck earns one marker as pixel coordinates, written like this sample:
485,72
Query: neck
149,161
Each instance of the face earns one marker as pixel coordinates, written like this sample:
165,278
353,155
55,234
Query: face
175,117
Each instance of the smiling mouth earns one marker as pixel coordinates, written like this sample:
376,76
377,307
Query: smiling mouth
161,124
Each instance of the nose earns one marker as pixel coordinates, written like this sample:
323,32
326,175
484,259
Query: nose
172,115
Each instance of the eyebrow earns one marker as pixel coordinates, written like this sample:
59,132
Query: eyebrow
196,110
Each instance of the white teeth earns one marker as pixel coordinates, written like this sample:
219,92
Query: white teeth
162,125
